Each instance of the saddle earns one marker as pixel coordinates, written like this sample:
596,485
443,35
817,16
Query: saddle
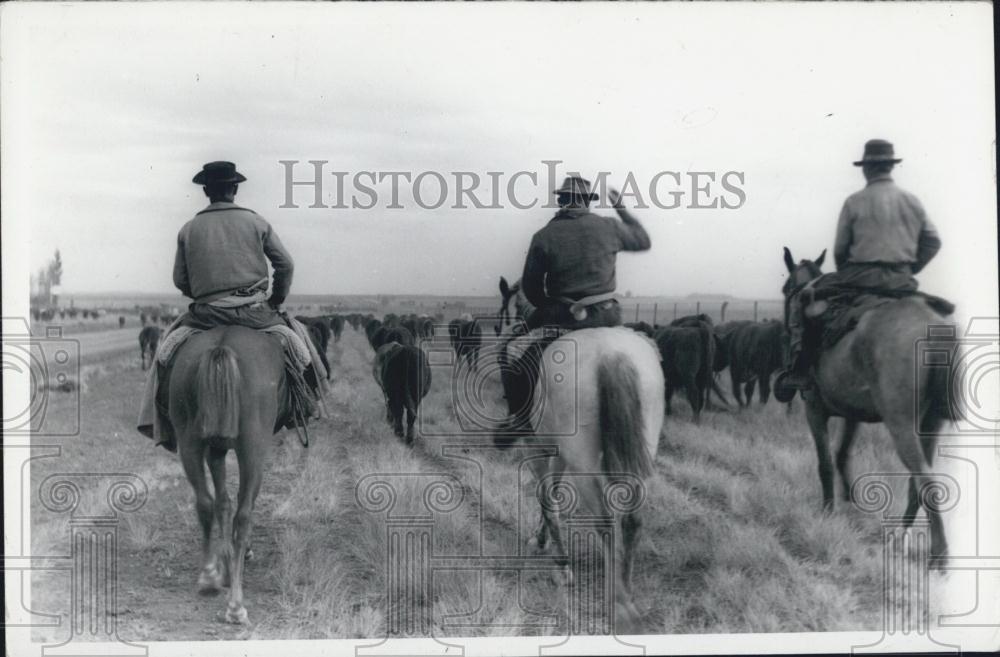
836,310
305,386
294,346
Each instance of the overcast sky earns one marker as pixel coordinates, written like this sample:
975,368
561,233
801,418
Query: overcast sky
110,110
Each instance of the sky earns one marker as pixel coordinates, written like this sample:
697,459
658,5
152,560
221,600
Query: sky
110,110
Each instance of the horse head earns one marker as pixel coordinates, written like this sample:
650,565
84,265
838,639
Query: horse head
802,273
522,307
507,292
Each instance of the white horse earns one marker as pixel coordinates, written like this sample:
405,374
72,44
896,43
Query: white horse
600,404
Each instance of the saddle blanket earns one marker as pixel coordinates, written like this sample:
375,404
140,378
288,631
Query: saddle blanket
847,305
296,348
517,346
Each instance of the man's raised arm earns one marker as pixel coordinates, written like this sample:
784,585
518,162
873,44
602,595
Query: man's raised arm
634,237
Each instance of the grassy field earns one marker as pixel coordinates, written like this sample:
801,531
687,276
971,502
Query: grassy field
733,541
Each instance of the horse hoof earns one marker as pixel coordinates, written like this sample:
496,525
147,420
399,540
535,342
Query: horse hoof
209,581
237,615
539,547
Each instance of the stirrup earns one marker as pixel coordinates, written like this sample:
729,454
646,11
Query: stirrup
787,384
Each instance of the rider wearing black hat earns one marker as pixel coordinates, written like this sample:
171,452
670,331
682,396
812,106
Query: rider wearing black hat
222,258
569,277
883,238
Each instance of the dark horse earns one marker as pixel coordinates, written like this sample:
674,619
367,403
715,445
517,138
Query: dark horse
872,375
227,391
149,340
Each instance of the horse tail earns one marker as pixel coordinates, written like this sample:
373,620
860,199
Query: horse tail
620,418
218,395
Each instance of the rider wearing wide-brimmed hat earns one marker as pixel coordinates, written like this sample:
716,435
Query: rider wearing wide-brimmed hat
569,275
883,238
222,258
221,264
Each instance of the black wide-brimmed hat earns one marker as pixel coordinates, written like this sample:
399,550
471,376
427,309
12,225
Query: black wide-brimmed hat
218,172
878,150
576,186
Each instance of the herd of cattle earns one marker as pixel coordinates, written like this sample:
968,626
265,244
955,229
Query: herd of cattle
693,350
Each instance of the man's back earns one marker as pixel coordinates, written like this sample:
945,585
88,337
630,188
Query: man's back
225,248
881,223
577,250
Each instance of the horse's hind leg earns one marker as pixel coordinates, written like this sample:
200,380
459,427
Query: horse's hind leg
928,440
847,434
224,520
251,456
915,457
193,461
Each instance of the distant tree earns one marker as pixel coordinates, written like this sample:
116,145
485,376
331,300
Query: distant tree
628,294
55,269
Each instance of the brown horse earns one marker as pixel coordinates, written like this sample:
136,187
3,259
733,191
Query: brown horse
872,375
227,390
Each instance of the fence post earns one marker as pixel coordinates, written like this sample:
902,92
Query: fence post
755,311
637,312
697,308
654,313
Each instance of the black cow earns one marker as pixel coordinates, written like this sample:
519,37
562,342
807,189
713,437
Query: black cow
466,339
641,327
402,372
336,327
149,340
319,331
386,334
426,327
753,352
371,327
688,353
410,324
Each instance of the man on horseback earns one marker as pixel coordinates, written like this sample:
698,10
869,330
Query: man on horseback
221,263
569,278
883,238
